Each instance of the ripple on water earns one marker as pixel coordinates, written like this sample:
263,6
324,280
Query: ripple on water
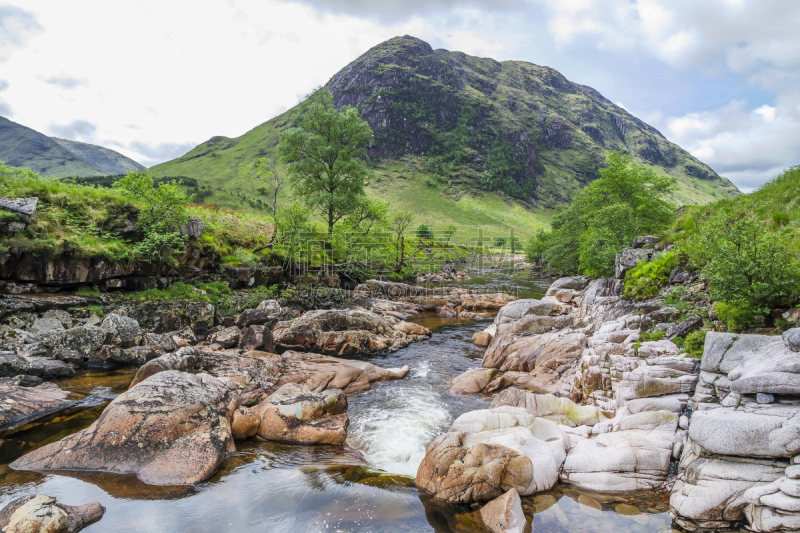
397,423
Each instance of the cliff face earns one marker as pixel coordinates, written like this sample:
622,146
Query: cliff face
510,125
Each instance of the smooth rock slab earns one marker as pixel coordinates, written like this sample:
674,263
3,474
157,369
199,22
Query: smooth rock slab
171,429
21,405
44,514
559,410
754,430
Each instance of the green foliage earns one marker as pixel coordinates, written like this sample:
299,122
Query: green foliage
647,336
266,171
96,310
164,211
643,281
627,201
325,155
241,257
88,291
203,292
423,232
739,315
695,343
748,265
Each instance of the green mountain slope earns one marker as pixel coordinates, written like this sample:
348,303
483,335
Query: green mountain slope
465,140
21,146
107,160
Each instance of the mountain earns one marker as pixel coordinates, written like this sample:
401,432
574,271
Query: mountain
21,146
107,160
453,129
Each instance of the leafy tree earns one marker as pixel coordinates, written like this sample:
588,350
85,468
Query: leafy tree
449,231
266,171
367,214
423,232
628,200
325,155
398,225
746,264
163,213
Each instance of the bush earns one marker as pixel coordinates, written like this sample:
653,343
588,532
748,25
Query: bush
739,316
695,343
643,281
423,232
648,336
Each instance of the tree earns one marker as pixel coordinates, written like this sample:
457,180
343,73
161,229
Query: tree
367,215
398,225
265,170
325,154
163,213
449,231
745,263
628,200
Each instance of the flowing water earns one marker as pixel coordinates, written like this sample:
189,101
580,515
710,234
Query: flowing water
364,486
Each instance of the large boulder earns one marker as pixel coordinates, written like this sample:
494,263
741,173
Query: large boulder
227,338
24,208
472,381
126,331
14,365
515,310
83,339
508,351
792,339
772,368
635,458
46,326
711,493
684,327
44,514
293,414
261,373
193,229
256,338
341,332
171,429
490,451
753,430
21,404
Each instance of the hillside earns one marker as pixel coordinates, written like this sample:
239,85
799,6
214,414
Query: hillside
466,140
107,160
23,147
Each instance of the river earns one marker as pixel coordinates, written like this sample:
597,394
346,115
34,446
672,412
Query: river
365,486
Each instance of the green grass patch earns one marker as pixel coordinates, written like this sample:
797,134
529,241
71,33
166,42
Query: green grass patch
643,281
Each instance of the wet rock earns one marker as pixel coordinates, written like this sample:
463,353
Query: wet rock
262,373
293,414
472,381
489,451
245,423
46,326
340,332
21,403
482,339
172,429
681,329
13,365
227,338
44,514
504,514
256,338
126,331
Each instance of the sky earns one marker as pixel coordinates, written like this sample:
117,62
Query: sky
152,79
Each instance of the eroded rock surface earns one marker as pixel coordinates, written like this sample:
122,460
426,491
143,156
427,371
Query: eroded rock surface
44,514
295,415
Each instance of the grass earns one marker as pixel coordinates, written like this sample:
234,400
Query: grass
79,221
216,293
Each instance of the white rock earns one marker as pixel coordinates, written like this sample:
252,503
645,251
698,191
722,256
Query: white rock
504,514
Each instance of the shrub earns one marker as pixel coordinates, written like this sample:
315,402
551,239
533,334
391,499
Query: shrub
643,281
423,232
647,336
739,316
695,343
